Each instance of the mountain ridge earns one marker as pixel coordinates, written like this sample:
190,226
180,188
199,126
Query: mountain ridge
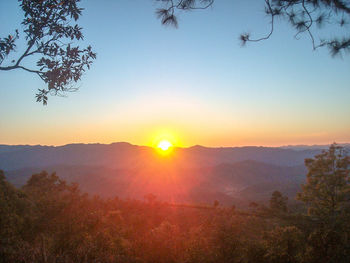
123,154
194,174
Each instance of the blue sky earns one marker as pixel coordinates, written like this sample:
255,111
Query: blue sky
195,82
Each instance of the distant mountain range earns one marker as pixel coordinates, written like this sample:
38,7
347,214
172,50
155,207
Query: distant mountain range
197,174
315,147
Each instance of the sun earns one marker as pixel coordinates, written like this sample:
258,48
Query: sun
164,142
164,145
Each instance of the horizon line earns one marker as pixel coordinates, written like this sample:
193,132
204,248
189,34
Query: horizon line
181,147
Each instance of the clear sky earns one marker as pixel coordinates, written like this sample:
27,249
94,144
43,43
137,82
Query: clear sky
195,84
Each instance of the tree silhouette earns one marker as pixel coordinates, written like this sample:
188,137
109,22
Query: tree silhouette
50,220
327,191
150,198
278,202
49,31
216,203
305,16
327,195
13,213
284,244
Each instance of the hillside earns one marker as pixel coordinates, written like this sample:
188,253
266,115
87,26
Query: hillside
125,155
196,174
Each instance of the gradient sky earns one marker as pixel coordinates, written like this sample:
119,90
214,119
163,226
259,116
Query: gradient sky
195,83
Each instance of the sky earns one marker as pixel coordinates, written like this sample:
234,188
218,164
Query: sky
191,85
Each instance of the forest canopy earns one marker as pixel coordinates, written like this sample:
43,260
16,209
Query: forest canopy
49,220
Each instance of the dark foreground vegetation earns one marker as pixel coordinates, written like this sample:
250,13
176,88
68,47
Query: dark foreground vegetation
48,220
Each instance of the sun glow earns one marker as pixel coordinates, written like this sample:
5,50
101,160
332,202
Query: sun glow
164,145
164,139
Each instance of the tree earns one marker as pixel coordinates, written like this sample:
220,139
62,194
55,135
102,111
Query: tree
327,191
305,16
150,198
68,226
216,203
284,244
278,202
49,31
327,195
13,211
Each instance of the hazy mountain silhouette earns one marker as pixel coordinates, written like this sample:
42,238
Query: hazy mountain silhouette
302,147
197,174
125,155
